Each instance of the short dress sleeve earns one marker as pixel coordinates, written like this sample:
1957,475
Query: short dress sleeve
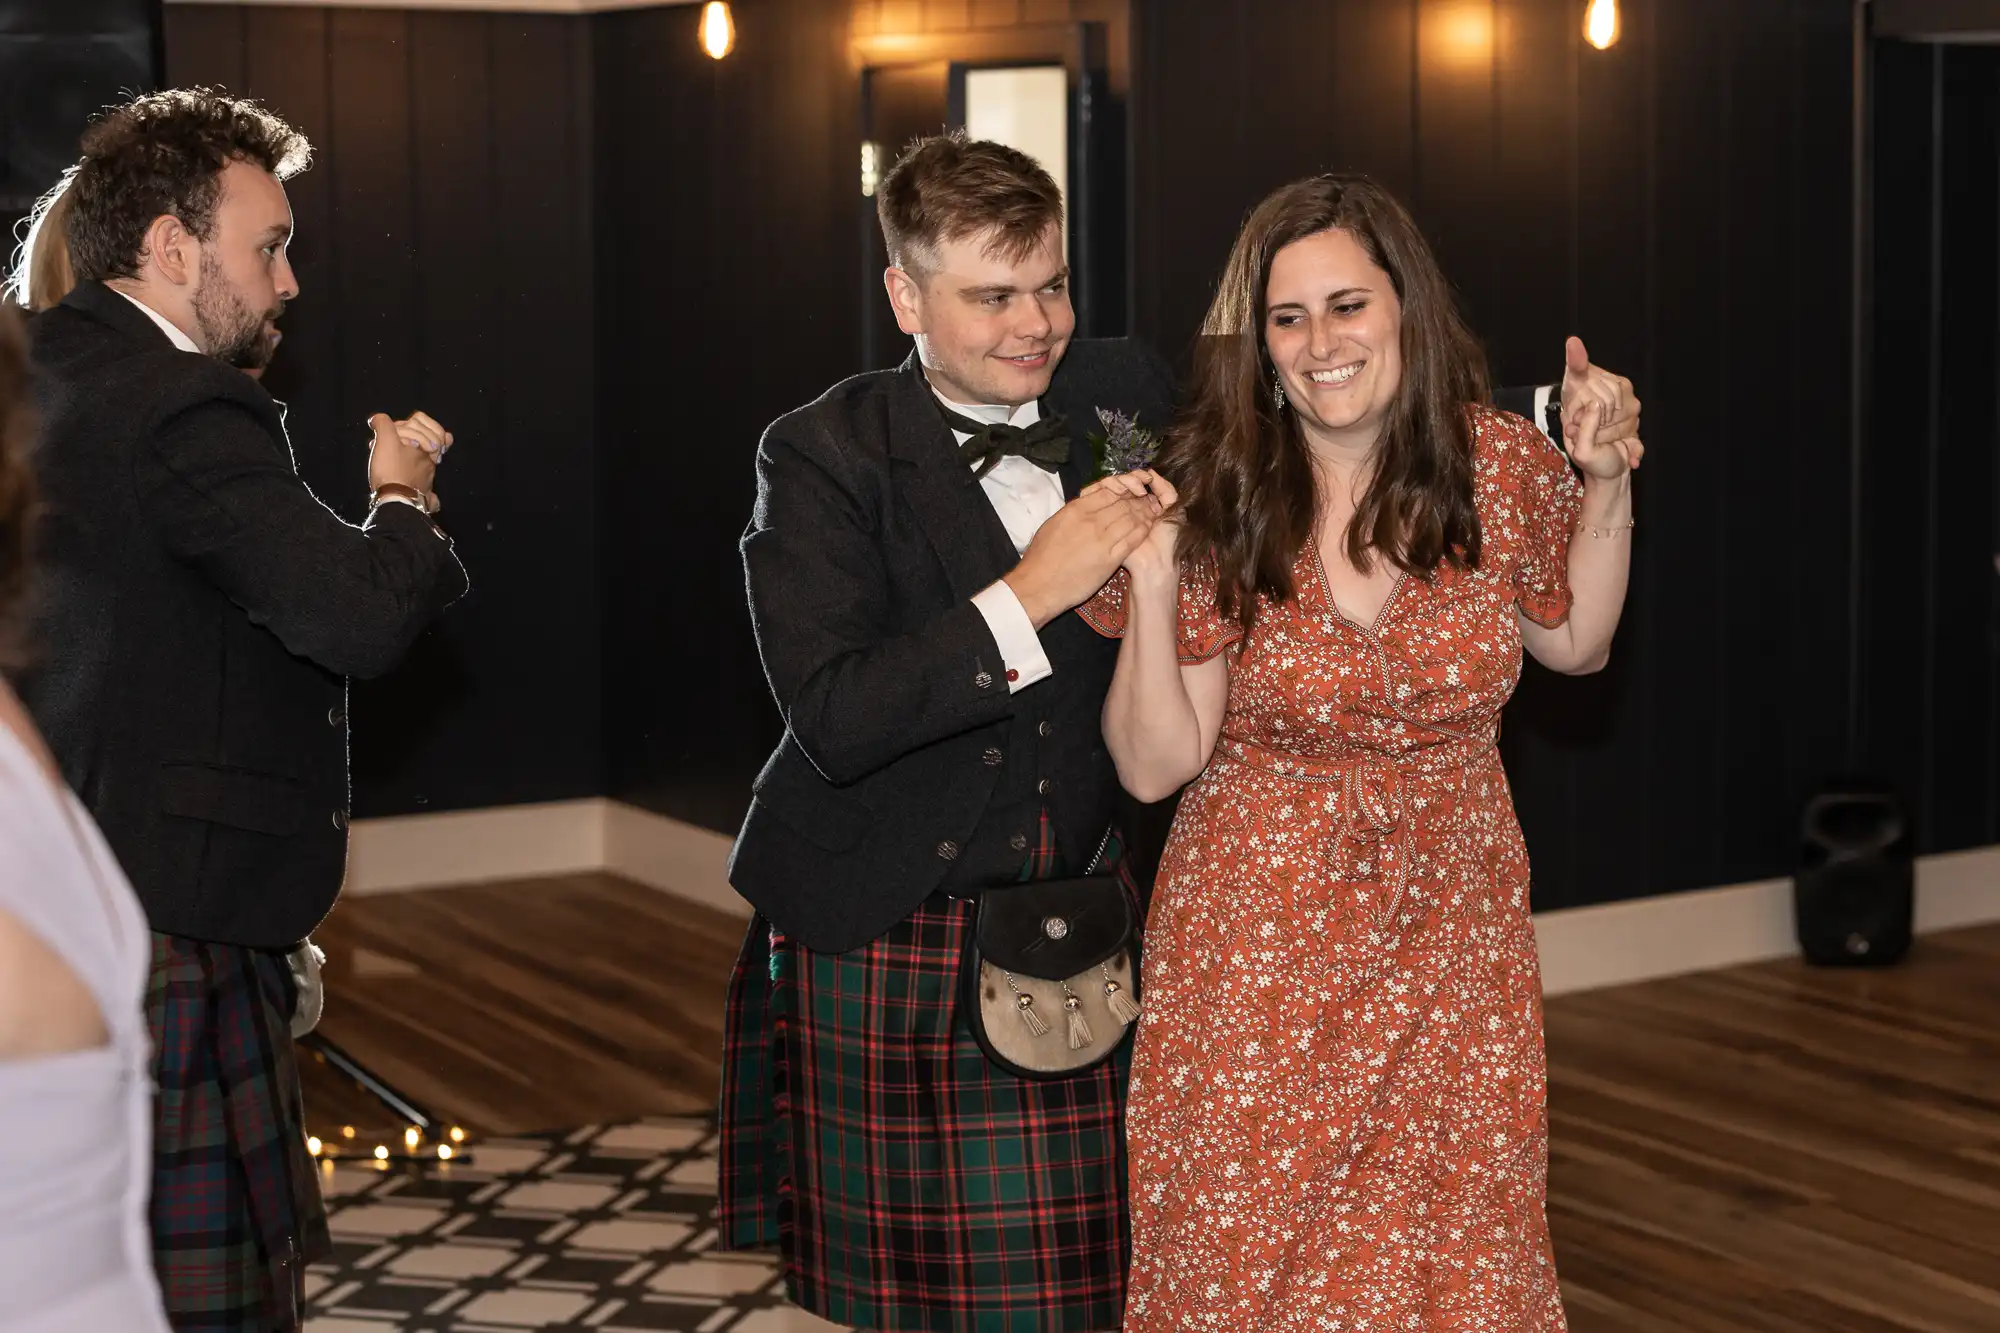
1545,500
1203,632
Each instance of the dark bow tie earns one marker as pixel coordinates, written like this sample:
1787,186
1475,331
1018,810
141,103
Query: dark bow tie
1045,444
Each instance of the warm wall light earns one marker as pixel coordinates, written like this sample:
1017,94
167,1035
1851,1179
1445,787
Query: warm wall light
1458,35
718,29
1600,23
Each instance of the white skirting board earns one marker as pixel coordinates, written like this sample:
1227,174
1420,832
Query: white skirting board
1582,947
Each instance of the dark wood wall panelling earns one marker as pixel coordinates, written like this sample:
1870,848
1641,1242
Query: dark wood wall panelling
728,250
1930,595
445,257
1682,200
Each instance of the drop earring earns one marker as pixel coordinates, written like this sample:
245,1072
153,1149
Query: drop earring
1278,391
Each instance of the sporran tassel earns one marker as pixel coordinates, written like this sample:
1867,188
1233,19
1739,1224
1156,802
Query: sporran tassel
1079,1031
1121,1004
1024,1005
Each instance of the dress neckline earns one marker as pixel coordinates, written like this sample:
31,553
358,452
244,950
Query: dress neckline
1374,627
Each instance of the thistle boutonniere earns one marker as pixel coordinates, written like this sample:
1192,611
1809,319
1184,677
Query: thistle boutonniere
1123,445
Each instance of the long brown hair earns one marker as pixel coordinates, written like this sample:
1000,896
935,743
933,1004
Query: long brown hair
1241,463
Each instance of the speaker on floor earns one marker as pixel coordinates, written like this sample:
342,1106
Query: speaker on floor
1855,895
61,61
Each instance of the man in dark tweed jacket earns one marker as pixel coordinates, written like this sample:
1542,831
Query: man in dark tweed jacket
919,539
201,610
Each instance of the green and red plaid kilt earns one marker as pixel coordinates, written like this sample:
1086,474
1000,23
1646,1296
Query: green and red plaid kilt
236,1209
909,1183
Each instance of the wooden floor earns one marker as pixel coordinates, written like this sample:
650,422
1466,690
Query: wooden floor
1772,1149
1782,1148
515,1008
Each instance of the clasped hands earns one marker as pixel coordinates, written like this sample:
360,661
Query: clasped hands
1120,520
407,453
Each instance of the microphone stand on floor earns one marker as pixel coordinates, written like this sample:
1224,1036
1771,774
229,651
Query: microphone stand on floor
420,1141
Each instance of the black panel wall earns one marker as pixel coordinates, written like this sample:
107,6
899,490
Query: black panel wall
444,254
728,250
1682,200
1930,591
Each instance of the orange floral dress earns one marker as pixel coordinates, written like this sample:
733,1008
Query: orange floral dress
1337,1117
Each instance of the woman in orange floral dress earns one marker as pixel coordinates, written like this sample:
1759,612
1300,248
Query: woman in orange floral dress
1337,1113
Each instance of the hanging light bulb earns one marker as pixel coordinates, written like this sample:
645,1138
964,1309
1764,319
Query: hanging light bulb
381,1153
1600,23
718,29
444,1152
347,1131
313,1144
410,1137
457,1134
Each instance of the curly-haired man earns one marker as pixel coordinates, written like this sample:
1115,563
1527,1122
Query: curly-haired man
201,610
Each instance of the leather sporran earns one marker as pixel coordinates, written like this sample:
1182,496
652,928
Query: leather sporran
1050,982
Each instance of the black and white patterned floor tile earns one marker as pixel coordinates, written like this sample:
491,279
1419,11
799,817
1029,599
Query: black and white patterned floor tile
609,1229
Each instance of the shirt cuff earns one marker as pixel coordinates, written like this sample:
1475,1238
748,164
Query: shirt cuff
1020,647
1542,396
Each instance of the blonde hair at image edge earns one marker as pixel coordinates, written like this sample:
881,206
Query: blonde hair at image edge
42,275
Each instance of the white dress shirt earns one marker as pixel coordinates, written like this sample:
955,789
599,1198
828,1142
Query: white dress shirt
1025,495
167,326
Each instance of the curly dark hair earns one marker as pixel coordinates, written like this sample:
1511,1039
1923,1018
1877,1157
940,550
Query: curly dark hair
1243,469
163,154
17,486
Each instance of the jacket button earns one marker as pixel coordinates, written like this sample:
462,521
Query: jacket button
1043,786
1019,842
982,680
335,717
340,820
1044,729
993,756
947,850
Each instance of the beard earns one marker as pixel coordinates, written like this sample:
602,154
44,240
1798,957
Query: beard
233,332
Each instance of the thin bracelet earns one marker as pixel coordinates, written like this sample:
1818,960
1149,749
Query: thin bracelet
1620,530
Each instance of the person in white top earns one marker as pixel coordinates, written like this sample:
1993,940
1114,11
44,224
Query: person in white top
75,1101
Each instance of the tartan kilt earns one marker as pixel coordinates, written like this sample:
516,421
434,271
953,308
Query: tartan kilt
909,1183
236,1209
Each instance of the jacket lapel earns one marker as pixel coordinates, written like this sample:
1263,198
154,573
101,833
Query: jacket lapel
947,500
1082,418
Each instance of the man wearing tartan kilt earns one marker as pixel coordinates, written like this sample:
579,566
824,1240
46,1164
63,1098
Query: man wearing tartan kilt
201,610
919,540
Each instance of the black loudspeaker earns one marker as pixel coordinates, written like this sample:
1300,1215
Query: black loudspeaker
1855,895
62,61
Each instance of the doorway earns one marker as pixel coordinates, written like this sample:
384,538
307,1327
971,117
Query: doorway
1039,89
